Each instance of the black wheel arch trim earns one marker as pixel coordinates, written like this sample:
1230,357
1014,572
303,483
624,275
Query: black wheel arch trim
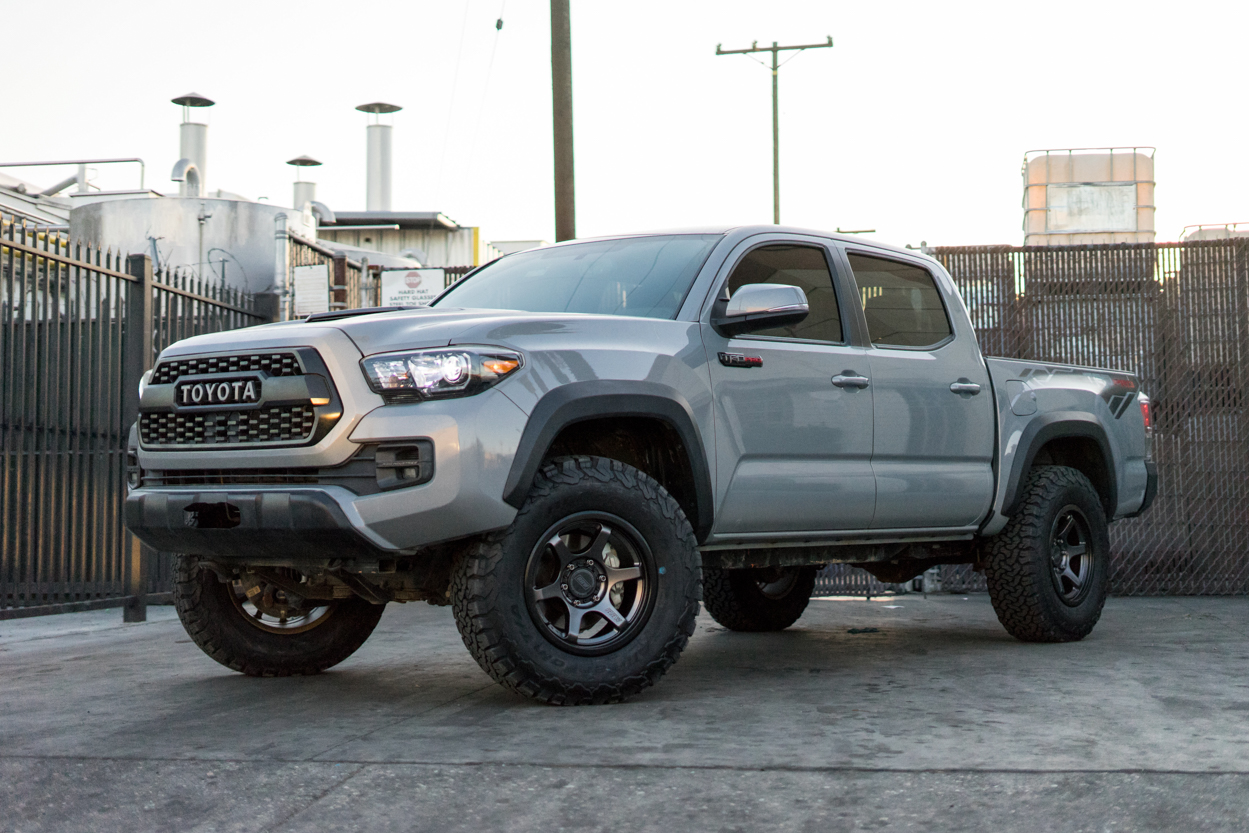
1052,426
583,401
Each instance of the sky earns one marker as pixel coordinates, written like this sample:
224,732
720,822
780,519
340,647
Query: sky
914,124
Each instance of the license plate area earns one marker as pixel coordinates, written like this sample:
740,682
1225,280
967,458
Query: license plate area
217,392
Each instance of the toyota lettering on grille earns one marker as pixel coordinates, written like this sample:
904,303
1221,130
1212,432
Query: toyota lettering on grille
218,392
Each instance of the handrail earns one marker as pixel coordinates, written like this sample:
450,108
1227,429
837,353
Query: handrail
142,166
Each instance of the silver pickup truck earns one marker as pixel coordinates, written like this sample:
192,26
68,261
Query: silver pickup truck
574,446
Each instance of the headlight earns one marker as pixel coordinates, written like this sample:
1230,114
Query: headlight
143,382
442,373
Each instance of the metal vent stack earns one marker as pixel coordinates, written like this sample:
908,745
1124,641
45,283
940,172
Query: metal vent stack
377,184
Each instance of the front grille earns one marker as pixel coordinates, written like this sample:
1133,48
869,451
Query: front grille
275,364
264,425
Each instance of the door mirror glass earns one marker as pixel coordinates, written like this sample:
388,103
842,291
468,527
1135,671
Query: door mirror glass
761,306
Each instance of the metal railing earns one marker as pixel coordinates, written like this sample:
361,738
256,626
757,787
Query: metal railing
79,327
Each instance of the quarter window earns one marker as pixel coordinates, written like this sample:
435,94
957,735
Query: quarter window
901,303
804,267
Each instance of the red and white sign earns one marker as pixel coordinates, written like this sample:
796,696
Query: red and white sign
411,287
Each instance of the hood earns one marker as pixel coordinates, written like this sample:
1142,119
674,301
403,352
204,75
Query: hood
441,326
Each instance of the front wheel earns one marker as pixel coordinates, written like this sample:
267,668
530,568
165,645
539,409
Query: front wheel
252,626
590,595
1048,569
759,598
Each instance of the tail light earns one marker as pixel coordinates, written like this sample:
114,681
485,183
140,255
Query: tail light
1147,415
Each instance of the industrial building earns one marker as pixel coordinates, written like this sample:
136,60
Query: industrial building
224,238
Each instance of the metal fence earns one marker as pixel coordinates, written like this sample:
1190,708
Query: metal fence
1178,315
348,288
79,328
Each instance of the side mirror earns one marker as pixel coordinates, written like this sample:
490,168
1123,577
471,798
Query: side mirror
759,306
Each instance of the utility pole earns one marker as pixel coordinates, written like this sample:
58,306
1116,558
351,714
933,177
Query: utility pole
561,109
776,132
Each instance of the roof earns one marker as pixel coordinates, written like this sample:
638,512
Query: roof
402,219
747,230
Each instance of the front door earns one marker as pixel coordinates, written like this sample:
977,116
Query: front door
793,410
934,415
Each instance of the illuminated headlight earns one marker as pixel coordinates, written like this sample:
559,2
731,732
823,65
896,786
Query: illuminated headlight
435,374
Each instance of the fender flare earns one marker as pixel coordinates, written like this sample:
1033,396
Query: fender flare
583,401
1052,426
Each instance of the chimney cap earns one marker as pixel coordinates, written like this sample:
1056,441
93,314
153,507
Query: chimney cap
379,107
193,100
303,162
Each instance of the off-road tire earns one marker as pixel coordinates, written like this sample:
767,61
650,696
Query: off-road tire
221,630
489,588
735,599
1018,566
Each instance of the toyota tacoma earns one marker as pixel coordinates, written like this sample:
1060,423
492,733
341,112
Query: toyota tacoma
575,446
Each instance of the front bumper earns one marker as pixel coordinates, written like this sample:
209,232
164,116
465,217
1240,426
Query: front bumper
474,440
284,526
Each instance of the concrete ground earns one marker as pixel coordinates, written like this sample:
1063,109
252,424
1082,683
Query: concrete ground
937,721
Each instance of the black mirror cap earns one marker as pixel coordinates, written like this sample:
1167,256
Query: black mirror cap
753,322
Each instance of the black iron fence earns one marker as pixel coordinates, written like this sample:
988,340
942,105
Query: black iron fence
78,329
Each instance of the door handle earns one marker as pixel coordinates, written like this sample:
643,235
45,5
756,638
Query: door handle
965,386
850,379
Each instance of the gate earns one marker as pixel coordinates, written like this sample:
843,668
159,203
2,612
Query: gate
79,328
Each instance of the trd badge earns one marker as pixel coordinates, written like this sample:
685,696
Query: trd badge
740,360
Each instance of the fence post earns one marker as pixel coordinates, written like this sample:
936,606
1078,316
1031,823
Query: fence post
338,281
136,361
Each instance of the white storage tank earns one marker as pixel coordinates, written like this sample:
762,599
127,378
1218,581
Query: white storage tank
1088,195
220,240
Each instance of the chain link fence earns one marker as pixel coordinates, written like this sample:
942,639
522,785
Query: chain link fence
1177,314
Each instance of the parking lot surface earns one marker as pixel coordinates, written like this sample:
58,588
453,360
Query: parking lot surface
928,717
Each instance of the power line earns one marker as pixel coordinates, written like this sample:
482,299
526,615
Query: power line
776,140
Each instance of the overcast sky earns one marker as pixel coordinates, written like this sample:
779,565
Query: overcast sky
914,124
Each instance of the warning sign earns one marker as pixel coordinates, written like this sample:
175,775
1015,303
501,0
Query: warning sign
412,287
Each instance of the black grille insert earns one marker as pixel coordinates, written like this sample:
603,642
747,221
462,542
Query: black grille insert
275,364
283,423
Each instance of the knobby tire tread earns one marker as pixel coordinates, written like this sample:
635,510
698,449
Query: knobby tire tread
737,609
1010,571
472,596
208,631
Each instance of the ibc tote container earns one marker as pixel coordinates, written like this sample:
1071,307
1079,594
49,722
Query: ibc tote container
1088,195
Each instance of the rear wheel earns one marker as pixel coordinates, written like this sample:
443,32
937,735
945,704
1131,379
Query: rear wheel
590,595
1048,569
253,626
757,598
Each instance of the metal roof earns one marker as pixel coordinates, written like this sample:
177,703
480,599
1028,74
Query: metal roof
403,219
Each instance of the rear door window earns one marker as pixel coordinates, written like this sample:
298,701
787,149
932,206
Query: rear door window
804,267
901,302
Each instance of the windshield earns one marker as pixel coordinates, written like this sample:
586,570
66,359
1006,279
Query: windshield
640,276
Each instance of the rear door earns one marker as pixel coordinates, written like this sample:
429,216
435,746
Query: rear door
793,443
933,403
